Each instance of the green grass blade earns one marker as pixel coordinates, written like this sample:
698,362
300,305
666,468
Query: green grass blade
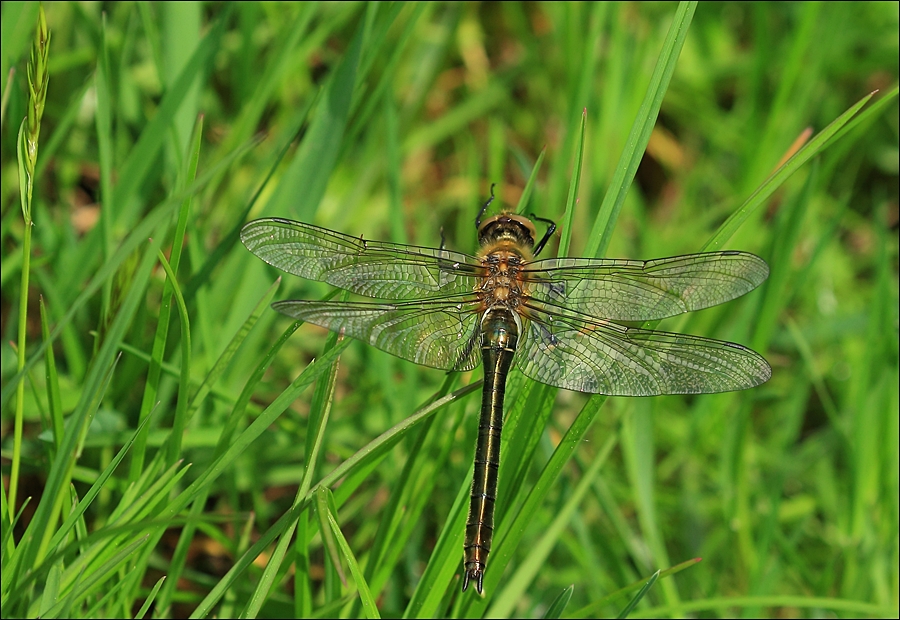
640,131
320,499
203,275
759,196
637,597
51,590
318,420
151,597
103,121
368,603
381,90
445,560
232,347
572,198
401,516
110,597
514,588
162,326
303,184
9,549
25,202
181,30
320,412
250,114
52,376
178,425
525,198
377,446
868,115
776,295
593,609
639,449
559,604
97,578
136,167
63,129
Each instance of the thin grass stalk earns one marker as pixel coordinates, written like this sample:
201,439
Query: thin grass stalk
27,151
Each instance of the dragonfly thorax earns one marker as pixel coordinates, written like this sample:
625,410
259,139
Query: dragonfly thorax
502,283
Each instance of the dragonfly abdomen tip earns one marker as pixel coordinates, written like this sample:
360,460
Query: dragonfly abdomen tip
477,576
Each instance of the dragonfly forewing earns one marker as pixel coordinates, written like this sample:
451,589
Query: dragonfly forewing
629,290
372,268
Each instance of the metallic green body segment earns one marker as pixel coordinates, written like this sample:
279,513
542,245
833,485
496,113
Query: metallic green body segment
500,329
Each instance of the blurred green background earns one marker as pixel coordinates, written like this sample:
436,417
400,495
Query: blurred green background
391,121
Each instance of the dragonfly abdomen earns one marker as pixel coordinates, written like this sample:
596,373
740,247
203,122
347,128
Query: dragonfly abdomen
500,328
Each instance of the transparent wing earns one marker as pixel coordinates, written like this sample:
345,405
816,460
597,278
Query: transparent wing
370,268
578,353
629,290
437,333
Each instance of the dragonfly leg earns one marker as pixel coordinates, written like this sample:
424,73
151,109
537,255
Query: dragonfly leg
484,208
551,228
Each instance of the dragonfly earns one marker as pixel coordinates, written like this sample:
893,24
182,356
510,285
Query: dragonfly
564,322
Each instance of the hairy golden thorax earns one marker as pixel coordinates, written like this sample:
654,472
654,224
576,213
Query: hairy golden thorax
506,243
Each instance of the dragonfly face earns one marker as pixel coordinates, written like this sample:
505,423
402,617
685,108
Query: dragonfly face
557,319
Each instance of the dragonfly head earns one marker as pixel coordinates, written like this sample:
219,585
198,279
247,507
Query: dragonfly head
507,228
